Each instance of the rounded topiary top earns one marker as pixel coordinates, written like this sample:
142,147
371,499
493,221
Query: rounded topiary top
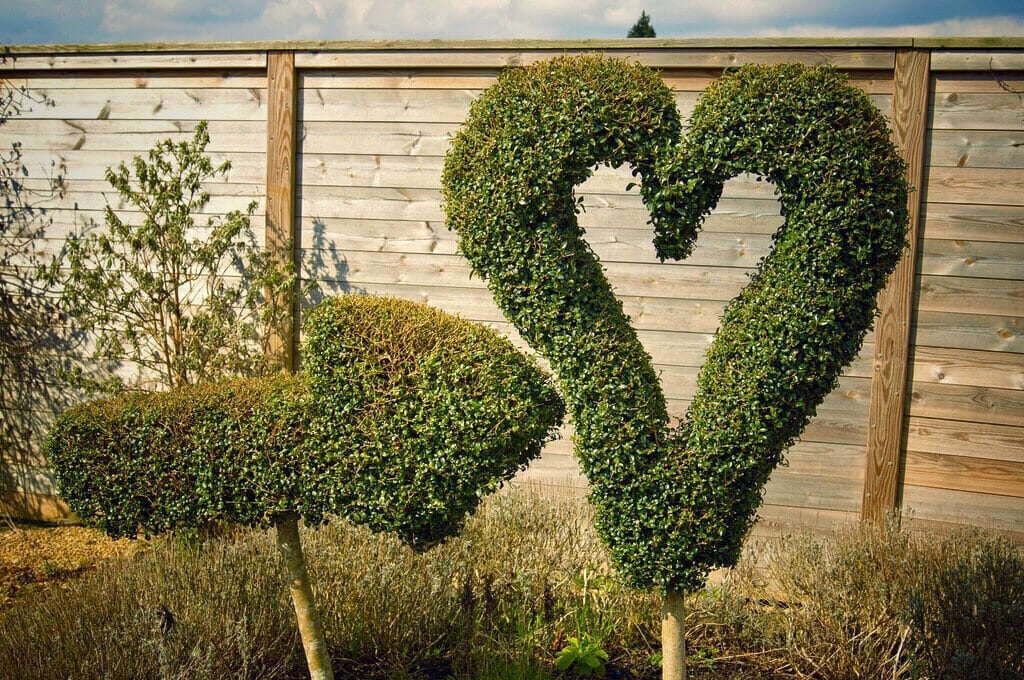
402,419
674,503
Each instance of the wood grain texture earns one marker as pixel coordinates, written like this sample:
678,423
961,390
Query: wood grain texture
954,506
958,438
973,295
976,148
978,60
969,331
965,473
892,329
999,223
1003,370
501,56
279,236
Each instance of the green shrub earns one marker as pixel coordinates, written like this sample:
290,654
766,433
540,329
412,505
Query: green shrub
673,504
422,413
403,418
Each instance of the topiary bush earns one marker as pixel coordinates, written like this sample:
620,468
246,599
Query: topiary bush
401,419
674,503
423,413
404,418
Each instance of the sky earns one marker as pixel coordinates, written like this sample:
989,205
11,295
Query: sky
99,21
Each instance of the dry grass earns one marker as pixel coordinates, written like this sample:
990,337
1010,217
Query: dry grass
34,555
500,600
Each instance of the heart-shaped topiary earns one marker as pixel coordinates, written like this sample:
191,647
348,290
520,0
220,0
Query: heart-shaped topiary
674,503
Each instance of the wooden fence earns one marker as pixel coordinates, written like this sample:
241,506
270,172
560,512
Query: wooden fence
344,143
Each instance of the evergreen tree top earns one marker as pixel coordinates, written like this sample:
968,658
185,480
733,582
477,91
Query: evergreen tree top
642,28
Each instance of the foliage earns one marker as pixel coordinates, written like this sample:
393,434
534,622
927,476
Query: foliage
383,427
642,28
500,599
183,302
672,504
584,656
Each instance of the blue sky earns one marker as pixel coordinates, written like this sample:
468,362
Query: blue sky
82,21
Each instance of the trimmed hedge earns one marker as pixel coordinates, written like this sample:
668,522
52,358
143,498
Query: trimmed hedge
674,503
402,418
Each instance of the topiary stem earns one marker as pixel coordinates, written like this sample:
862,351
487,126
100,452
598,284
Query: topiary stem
673,636
312,634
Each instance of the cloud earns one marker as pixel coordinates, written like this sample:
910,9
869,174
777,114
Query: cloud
220,20
981,27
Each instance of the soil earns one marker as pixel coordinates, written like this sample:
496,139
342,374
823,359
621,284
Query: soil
36,556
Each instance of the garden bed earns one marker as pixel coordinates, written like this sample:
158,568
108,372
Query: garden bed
503,598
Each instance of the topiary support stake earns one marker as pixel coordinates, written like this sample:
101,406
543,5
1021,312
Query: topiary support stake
673,636
312,633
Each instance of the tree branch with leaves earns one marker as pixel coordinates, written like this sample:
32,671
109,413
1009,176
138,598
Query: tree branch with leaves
183,301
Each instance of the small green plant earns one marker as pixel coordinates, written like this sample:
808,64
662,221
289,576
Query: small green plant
181,301
583,656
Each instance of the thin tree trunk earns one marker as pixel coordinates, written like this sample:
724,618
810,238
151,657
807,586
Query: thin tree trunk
312,634
673,636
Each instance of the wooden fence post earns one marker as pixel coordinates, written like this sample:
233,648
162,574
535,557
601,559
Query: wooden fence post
280,236
892,330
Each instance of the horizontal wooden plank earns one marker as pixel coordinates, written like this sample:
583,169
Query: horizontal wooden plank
191,60
969,331
962,294
975,149
627,278
781,521
964,473
977,259
387,139
1004,370
979,43
813,491
505,43
959,438
83,164
968,403
998,223
607,185
705,57
841,461
408,106
335,207
977,60
720,249
85,194
985,81
975,111
873,82
137,136
982,186
141,79
177,104
964,507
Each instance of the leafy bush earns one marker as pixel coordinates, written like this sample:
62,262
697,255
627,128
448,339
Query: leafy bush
403,418
421,411
673,504
184,302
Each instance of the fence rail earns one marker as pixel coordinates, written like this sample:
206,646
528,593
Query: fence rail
344,143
